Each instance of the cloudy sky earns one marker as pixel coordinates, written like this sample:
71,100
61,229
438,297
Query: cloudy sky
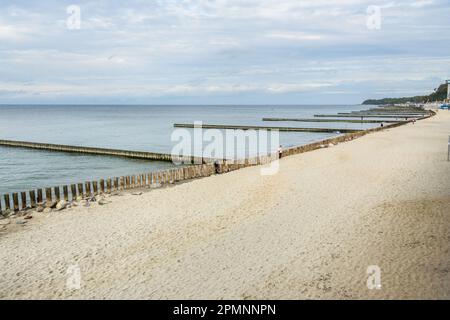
221,51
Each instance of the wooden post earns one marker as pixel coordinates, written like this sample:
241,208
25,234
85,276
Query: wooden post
152,180
116,184
149,180
102,186
160,182
448,153
66,193
138,181
95,187
40,197
7,202
87,185
127,182
108,185
122,183
80,191
32,198
48,197
23,197
57,194
73,189
143,182
16,201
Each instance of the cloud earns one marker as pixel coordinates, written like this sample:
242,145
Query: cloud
300,36
422,3
225,50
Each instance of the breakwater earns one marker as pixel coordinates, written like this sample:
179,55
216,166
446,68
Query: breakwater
242,127
102,151
331,120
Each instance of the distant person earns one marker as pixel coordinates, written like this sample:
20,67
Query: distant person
280,152
382,124
217,166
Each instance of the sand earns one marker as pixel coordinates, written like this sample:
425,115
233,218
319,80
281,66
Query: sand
309,232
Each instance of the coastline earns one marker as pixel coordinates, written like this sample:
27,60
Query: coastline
308,232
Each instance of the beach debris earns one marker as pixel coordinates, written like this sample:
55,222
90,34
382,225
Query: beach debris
53,204
61,205
102,202
322,146
4,222
40,208
330,145
137,193
28,216
21,222
47,210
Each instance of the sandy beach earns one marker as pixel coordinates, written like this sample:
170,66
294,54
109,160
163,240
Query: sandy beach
308,232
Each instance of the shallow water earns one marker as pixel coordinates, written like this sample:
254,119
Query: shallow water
145,128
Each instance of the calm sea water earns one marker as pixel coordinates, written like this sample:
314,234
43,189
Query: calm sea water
145,128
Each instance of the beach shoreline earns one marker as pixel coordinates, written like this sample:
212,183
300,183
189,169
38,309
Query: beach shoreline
308,232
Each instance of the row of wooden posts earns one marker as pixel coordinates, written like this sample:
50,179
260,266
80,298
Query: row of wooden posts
48,197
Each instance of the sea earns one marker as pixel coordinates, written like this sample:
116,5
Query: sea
131,127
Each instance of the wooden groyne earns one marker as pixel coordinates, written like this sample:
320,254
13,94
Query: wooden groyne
241,127
102,151
389,116
332,120
387,109
385,114
50,196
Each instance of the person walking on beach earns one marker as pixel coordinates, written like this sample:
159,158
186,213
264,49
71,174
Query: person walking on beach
280,152
216,167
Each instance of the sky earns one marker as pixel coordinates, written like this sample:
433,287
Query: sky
221,51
